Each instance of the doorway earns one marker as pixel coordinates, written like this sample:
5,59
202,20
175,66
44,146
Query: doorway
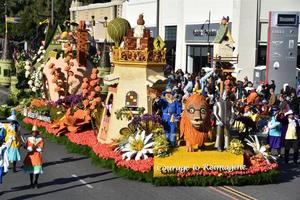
197,57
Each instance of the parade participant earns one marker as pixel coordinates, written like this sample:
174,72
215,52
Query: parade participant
291,136
252,97
224,114
294,103
283,105
33,160
4,163
171,111
274,131
12,130
203,81
272,98
264,107
188,89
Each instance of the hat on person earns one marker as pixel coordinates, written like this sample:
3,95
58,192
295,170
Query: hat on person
264,101
13,116
34,128
168,90
289,112
274,110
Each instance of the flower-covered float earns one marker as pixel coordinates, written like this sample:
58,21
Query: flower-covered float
122,130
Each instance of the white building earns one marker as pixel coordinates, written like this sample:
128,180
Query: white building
181,22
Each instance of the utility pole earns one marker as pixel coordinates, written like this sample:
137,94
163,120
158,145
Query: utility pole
157,16
52,13
208,34
4,53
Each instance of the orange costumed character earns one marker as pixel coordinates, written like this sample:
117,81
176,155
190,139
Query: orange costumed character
195,121
33,160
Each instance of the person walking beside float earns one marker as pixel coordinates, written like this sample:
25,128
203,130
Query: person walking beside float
33,160
4,163
12,130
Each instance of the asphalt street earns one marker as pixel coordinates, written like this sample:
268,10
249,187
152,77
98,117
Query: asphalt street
70,176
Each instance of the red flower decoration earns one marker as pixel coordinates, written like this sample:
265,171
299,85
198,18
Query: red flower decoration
93,76
97,88
94,71
67,68
85,85
70,73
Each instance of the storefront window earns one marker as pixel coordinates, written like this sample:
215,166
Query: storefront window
197,57
298,57
261,55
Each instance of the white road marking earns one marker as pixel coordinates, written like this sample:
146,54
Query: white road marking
82,181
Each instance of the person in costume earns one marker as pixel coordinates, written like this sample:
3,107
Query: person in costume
33,160
4,163
224,113
12,130
171,111
274,132
291,136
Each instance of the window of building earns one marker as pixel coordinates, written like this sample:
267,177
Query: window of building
298,58
170,33
170,38
261,55
131,99
74,15
6,73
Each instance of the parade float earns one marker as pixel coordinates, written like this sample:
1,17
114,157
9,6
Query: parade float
122,131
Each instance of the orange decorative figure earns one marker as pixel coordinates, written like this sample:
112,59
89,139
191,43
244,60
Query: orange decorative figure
195,122
33,160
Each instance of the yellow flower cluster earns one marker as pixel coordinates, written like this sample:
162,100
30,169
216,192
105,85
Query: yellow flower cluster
236,147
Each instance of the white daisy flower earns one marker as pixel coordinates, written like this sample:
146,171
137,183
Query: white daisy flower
138,147
27,67
27,73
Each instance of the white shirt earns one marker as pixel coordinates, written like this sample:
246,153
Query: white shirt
4,155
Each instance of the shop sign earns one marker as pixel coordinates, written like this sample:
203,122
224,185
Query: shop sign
201,33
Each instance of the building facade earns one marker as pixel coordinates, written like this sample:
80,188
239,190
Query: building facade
95,12
189,27
184,26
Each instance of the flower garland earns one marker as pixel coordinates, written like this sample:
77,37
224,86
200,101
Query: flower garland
106,152
35,75
103,151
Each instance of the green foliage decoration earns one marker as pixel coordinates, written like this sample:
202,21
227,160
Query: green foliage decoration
117,29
